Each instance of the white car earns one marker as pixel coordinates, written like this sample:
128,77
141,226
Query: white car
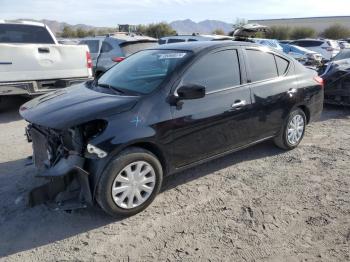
327,48
33,62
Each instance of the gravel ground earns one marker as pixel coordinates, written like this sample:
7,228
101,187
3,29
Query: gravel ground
260,204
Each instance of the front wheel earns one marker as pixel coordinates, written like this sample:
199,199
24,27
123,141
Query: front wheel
292,131
130,182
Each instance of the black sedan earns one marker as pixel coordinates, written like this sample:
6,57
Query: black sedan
111,141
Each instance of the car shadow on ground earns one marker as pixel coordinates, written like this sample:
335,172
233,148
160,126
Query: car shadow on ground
335,112
23,228
9,106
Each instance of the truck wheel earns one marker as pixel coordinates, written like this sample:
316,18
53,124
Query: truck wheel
292,131
130,182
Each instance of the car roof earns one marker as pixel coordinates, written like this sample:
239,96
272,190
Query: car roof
197,36
201,45
32,23
122,37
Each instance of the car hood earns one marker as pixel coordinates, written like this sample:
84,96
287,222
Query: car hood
73,106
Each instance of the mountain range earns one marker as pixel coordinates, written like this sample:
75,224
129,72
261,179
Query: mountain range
204,27
181,26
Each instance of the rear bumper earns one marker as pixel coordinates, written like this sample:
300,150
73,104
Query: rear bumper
37,87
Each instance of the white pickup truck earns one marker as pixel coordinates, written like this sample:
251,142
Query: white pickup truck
32,62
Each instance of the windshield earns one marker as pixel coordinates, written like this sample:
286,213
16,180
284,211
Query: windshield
144,71
344,54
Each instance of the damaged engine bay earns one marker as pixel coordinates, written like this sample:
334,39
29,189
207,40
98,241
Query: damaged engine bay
60,156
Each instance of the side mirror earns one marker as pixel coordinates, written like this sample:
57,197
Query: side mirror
191,91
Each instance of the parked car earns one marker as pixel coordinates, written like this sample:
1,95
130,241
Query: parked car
32,62
68,41
327,48
303,55
162,110
343,44
336,76
192,38
283,42
268,42
108,51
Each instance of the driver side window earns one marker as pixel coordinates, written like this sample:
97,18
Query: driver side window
215,71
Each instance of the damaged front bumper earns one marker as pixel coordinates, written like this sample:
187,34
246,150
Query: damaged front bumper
69,186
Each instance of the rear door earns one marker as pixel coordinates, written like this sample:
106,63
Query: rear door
221,120
274,88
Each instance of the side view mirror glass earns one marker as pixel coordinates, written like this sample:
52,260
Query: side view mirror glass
191,91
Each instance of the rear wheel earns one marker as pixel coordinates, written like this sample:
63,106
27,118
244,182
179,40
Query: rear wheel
130,182
292,131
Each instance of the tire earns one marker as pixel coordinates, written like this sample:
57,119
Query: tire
282,140
118,170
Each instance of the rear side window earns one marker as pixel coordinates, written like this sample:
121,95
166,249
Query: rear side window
215,71
92,44
175,40
161,41
24,34
261,65
106,47
282,65
130,48
192,40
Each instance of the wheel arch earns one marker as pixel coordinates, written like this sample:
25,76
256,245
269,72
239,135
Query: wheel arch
306,112
98,168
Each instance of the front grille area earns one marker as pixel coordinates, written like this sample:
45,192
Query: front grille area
40,148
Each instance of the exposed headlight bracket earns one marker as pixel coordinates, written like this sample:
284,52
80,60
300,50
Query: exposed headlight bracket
95,150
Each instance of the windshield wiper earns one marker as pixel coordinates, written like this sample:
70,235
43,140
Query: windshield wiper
113,88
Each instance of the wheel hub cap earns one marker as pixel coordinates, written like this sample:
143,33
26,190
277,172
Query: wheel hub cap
133,185
295,129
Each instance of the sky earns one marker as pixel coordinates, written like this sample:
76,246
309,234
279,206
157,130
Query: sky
113,12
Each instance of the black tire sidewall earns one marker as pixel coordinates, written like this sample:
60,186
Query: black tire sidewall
285,131
104,196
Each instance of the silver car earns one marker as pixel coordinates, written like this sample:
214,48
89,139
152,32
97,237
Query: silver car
106,51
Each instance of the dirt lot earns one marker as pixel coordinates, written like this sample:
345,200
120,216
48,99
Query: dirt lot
260,204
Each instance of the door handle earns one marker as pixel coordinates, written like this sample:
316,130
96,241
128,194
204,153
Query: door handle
239,103
43,50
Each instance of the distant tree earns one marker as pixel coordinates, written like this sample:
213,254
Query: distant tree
142,29
336,31
278,32
240,22
81,32
218,32
91,32
302,32
159,30
68,32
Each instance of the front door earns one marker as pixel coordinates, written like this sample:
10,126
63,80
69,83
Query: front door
218,122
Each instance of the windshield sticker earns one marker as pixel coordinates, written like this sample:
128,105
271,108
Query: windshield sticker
172,56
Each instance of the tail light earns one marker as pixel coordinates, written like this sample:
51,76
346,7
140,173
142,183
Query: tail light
319,80
88,60
118,59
